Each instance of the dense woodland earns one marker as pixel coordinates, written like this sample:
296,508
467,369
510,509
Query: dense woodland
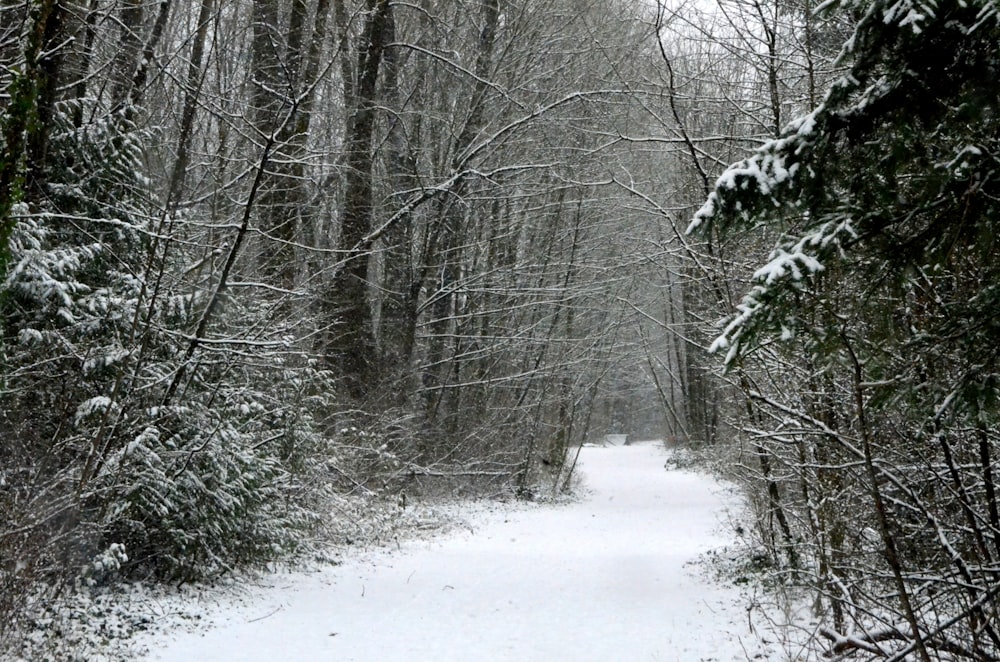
258,257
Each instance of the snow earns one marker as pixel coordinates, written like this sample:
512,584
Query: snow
608,577
95,405
908,13
783,264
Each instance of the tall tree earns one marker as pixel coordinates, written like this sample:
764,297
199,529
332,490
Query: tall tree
351,346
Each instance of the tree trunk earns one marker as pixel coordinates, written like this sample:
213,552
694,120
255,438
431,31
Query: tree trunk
446,231
127,56
398,319
28,118
350,348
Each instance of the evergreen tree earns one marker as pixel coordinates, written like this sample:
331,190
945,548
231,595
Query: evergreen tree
885,201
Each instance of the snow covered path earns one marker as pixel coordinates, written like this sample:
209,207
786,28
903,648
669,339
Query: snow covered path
600,580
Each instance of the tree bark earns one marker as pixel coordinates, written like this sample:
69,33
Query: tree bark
350,348
28,118
398,318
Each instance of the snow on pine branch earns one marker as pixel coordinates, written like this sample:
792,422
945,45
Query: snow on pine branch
751,187
90,407
906,13
786,268
773,165
915,14
912,15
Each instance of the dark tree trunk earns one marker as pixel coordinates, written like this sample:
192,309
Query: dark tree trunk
28,118
398,319
350,347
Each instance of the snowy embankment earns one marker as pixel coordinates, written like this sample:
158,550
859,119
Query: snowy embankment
605,578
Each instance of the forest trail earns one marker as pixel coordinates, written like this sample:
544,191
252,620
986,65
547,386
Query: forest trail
606,578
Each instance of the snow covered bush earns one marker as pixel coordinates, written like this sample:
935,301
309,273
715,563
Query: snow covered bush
120,443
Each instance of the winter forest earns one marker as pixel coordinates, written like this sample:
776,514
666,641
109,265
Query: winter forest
265,259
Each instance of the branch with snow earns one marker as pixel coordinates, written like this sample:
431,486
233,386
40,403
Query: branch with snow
874,643
787,268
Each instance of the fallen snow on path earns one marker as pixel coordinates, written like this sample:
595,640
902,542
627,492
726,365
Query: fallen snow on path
603,579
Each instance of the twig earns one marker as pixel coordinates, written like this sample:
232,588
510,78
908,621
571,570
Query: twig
254,620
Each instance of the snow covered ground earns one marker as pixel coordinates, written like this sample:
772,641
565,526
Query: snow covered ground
607,578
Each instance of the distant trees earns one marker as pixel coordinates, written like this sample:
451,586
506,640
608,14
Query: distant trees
254,253
867,344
